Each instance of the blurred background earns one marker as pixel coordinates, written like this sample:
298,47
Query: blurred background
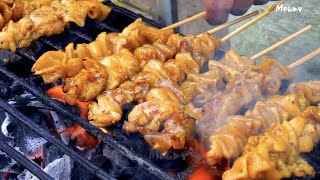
271,29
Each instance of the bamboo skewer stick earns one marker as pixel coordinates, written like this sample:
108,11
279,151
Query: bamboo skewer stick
282,42
197,16
228,24
245,26
304,59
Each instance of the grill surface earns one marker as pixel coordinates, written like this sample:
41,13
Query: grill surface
16,77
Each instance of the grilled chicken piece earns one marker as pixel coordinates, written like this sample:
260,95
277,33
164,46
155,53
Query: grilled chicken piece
138,34
108,108
228,140
275,153
88,83
222,104
157,50
107,74
48,20
120,67
149,115
203,47
309,90
5,14
160,120
16,9
58,64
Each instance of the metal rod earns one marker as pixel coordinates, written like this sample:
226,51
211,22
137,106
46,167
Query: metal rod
99,172
28,164
107,139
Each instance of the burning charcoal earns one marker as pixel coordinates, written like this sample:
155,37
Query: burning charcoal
29,142
7,128
60,127
119,162
51,153
120,167
58,169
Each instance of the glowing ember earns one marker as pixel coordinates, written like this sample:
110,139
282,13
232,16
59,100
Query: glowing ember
171,173
84,109
105,130
6,176
83,138
202,173
56,92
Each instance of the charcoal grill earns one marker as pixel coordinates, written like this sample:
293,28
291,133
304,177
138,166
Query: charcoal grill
16,76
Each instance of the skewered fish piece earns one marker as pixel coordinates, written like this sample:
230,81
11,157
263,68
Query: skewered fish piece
228,141
105,45
50,19
16,9
108,110
275,153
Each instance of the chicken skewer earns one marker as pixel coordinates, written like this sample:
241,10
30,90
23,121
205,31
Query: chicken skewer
275,153
15,10
132,38
228,141
108,109
50,19
72,61
148,117
242,90
110,62
265,79
128,66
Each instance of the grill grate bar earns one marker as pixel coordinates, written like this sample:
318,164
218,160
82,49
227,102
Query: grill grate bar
29,165
99,172
107,139
105,27
79,34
